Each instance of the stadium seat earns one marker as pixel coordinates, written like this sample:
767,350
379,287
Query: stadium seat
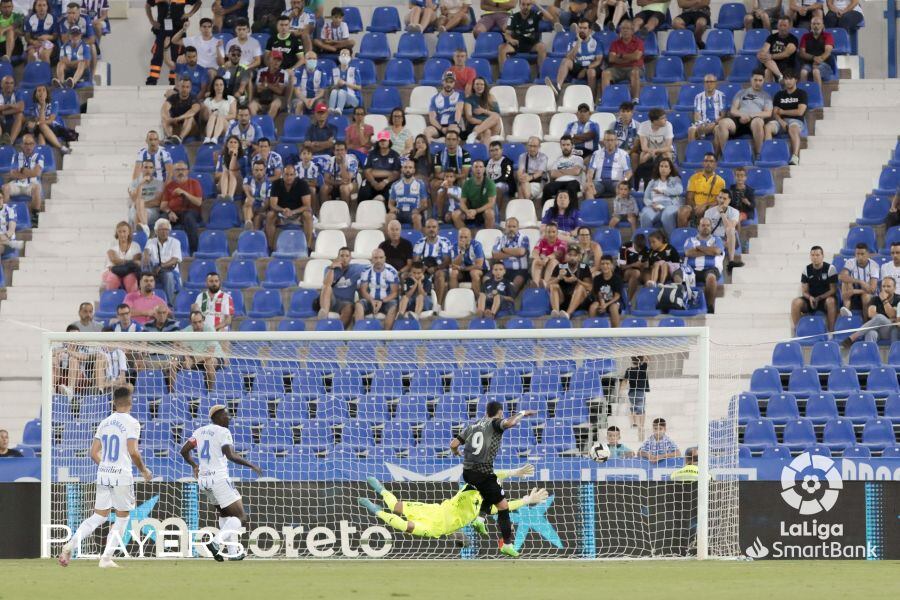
370,214
668,69
634,322
384,100
290,244
266,124
482,68
385,19
737,153
681,42
892,408
645,303
594,213
251,244
614,96
399,72
109,300
525,125
212,244
366,242
266,304
776,452
765,382
841,41
241,274
334,214
420,100
804,381
706,65
653,96
223,215
798,434
754,40
694,153
486,45
507,99
447,43
459,303
875,211
610,240
878,433
293,129
574,96
731,16
549,68
280,273
759,434
860,407
838,433
742,68
787,356
864,356
434,71
781,408
720,43
686,95
761,181
515,71
813,93
821,408
888,181
843,381
748,407
35,74
774,153
328,243
811,329
558,123
374,46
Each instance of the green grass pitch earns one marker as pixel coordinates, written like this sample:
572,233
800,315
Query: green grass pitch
423,580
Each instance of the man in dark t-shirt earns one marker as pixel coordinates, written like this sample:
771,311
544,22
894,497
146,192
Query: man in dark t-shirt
881,314
819,284
606,292
398,251
291,205
570,284
779,52
291,46
5,450
788,113
523,34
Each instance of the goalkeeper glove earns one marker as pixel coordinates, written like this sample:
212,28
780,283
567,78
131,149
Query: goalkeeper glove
526,470
536,496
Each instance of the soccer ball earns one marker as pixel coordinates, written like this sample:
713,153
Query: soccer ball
599,452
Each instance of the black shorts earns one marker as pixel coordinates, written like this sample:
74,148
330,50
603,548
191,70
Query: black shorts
646,15
580,72
526,47
742,128
702,273
689,17
809,310
487,485
466,276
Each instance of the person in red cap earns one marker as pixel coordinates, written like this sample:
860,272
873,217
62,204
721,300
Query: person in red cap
321,134
382,169
272,86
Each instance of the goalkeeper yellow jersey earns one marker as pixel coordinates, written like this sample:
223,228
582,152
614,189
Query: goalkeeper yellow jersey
436,520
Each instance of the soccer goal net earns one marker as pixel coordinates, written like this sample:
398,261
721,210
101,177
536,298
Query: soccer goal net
633,440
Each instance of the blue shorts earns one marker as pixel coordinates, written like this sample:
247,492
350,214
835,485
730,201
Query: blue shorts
637,397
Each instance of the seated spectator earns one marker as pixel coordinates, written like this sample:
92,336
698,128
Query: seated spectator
891,268
564,214
273,86
656,142
435,252
308,170
494,15
335,35
179,113
206,44
693,13
664,260
123,321
819,290
85,322
401,137
626,130
762,14
453,14
382,169
448,196
238,79
626,60
257,191
5,450
75,58
583,60
590,250
703,190
25,177
248,132
464,74
11,22
512,250
144,299
422,15
881,316
7,224
478,200
191,69
524,32
498,295
291,205
585,133
200,354
272,160
398,250
610,12
709,109
157,155
309,86
658,446
181,201
859,280
421,156
408,199
607,169
445,113
547,254
416,292
704,254
218,109
788,113
469,264
625,207
379,288
358,135
570,285
12,110
231,168
606,293
123,260
320,135
111,368
566,172
634,263
339,288
162,321
44,121
292,46
251,51
215,304
162,257
40,33
652,16
482,113
750,110
67,366
779,51
846,14
340,179
816,46
532,170
743,197
452,160
302,21
345,86
226,13
501,171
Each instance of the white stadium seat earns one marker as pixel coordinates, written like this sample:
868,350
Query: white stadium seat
525,126
366,241
533,235
378,122
314,273
575,95
370,214
546,206
539,99
334,214
552,150
328,243
558,124
506,98
415,124
420,100
523,210
459,304
603,119
488,237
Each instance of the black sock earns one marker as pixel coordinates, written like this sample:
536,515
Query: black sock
505,525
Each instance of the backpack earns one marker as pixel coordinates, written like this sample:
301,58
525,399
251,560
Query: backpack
678,296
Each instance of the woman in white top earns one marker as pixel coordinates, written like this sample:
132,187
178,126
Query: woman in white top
846,14
663,197
123,260
401,137
218,109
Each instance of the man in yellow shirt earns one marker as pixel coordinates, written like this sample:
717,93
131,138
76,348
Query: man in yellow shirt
702,189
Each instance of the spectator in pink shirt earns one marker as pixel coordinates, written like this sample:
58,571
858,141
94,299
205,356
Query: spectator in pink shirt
144,300
548,253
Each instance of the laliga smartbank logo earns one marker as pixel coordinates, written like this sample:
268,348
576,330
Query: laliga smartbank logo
811,484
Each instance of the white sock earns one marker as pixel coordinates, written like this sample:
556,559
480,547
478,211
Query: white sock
86,528
229,533
222,521
116,536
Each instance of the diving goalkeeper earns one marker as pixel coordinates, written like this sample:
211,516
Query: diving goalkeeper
447,518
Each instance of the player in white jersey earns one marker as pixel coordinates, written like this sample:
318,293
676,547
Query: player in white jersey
114,449
215,447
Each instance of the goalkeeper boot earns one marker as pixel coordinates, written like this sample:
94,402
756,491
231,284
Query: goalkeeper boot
65,555
214,550
509,550
369,505
375,485
479,526
107,563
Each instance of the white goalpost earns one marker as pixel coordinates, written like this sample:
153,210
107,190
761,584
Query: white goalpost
320,412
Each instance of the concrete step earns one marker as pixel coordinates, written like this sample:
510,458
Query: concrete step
858,99
795,185
860,157
89,160
841,142
94,216
783,213
111,104
854,126
852,114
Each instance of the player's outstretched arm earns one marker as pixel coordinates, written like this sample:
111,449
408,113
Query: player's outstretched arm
454,446
526,470
515,419
186,455
135,455
237,459
536,496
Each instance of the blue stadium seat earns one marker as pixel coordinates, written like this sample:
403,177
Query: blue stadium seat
367,325
482,324
741,69
654,96
774,153
482,68
671,322
892,408
613,97
753,42
294,129
447,43
397,436
787,356
223,215
799,433
385,19
759,434
399,72
731,16
444,324
838,433
737,153
719,42
477,151
841,41
486,45
645,303
864,356
290,244
237,297
680,121
878,433
384,100
561,42
251,245
761,181
266,124
212,244
197,273
891,236
150,384
513,151
109,300
558,323
634,322
406,325
705,65
888,181
434,71
241,274
452,407
68,101
765,382
519,323
668,69
779,452
610,240
593,213
365,68
782,408
844,325
374,46
686,95
875,211
804,381
35,74
205,161
821,408
748,407
207,184
31,436
535,303
549,68
681,42
266,304
680,236
843,381
412,46
857,451
860,407
301,305
253,325
372,408
316,435
812,329
435,435
516,71
353,19
287,152
413,409
291,325
427,382
814,95
694,152
557,437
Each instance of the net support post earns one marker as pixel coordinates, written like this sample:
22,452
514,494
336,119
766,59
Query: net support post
46,437
703,446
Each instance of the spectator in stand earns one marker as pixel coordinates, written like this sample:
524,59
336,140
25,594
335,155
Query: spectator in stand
358,134
143,300
664,260
743,197
583,60
197,354
846,14
859,280
170,18
658,446
626,130
524,32
693,13
5,450
25,177
482,113
40,34
320,135
231,168
162,321
452,159
656,142
123,321
215,304
340,179
191,69
547,254
401,137
469,264
12,111
819,284
709,109
272,160
788,113
420,154
339,288
181,201
156,154
512,250
207,45
382,169
292,47
308,171
570,285
257,191
238,79
7,224
881,316
762,14
302,22
11,28
613,441
435,252
585,133
398,250
634,263
422,15
566,172
448,196
532,170
273,86
478,201
379,288
416,292
494,15
778,53
309,85
227,13
626,60
590,250
408,198
464,74
638,386
86,322
607,169
346,89
750,110
218,110
123,260
663,198
162,257
625,207
111,368
248,132
893,216
499,291
564,214
454,14
704,253
606,292
652,16
611,12
179,113
44,121
291,204
335,35
501,171
445,113
703,189
74,60
892,267
816,46
251,51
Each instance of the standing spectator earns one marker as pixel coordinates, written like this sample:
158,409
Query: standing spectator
704,253
345,90
606,292
422,15
206,44
238,79
501,293
244,129
309,85
469,264
524,32
454,14
464,74
547,254
482,113
123,321
564,214
846,14
191,69
656,142
358,135
750,110
703,189
162,257
652,16
408,198
320,135
859,280
179,113
251,52
291,204
788,113
584,132
435,252
7,224
45,122
709,109
111,368
123,260
696,13
257,191
40,33
86,322
664,260
881,315
11,24
156,154
512,250
762,14
340,179
144,299
663,198
231,168
74,60
453,159
12,111
398,250
583,60
816,46
215,304
626,60
638,386
25,177
416,289
624,207
381,171
335,35
445,114
658,446
170,18
743,197
634,263
478,200
379,288
778,53
401,137
219,109
292,47
819,284
181,201
339,288
532,170
607,169
226,13
273,86
566,172
494,14
5,450
501,171
614,442
570,285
